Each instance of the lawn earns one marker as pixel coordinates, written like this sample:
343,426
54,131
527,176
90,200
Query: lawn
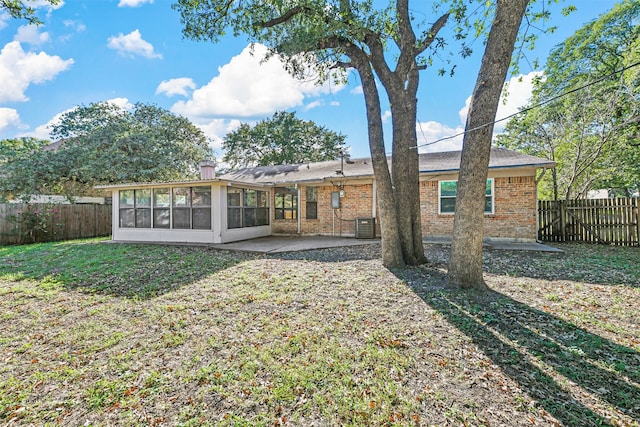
135,335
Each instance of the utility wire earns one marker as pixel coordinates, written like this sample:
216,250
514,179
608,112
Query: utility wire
524,110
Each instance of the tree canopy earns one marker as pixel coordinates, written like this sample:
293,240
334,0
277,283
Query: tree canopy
282,139
104,144
19,9
591,128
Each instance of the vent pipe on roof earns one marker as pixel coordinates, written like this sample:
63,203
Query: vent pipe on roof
208,169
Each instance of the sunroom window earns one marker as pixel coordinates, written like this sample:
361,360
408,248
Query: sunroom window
135,208
247,207
178,208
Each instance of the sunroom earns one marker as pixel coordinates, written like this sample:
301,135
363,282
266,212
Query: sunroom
205,211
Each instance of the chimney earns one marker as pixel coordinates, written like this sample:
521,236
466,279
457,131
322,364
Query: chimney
208,169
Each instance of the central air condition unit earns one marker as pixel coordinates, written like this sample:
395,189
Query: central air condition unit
365,228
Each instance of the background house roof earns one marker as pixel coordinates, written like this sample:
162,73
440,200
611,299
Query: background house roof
449,161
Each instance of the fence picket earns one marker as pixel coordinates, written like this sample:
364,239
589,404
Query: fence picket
609,221
69,222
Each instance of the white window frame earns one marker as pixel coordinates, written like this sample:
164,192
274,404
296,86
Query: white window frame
493,197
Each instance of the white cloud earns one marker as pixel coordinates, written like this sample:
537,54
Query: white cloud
217,129
519,90
132,44
357,90
180,86
121,102
30,34
46,4
250,86
133,3
77,26
4,19
429,132
517,96
314,104
19,69
9,118
386,116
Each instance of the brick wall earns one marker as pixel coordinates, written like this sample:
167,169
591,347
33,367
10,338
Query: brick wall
514,214
356,203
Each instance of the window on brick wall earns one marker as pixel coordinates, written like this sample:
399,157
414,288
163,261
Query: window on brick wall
286,203
312,203
448,190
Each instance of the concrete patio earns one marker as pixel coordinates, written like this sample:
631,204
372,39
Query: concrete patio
278,244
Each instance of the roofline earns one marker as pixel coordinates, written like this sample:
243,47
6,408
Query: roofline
156,184
521,166
235,182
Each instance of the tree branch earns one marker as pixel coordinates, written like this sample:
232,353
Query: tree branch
433,32
298,10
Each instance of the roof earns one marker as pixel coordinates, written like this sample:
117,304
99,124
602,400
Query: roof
192,182
430,163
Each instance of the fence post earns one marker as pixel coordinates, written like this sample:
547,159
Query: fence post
635,201
562,212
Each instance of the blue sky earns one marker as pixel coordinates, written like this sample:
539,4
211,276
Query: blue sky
128,51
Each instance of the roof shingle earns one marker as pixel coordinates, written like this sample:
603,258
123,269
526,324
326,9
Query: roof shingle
360,168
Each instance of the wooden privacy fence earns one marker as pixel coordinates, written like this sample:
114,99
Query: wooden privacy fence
27,223
607,221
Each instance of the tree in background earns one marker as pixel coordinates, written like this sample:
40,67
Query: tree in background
592,126
18,158
105,144
282,139
18,9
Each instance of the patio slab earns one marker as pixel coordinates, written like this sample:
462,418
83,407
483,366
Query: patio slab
506,245
277,244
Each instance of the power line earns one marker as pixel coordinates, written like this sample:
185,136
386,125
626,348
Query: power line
524,110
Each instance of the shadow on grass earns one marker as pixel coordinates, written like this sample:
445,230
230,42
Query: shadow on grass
589,263
128,270
527,344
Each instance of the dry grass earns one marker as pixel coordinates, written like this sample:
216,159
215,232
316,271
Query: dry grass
97,334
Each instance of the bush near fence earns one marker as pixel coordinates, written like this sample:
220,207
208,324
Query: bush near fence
605,221
67,222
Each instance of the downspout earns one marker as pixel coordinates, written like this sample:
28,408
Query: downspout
374,189
299,219
538,179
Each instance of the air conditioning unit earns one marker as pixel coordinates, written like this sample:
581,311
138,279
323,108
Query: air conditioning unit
365,228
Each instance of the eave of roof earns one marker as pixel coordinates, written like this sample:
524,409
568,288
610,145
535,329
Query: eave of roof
155,184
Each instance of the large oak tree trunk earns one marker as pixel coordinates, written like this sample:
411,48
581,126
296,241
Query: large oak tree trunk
405,172
465,265
392,256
